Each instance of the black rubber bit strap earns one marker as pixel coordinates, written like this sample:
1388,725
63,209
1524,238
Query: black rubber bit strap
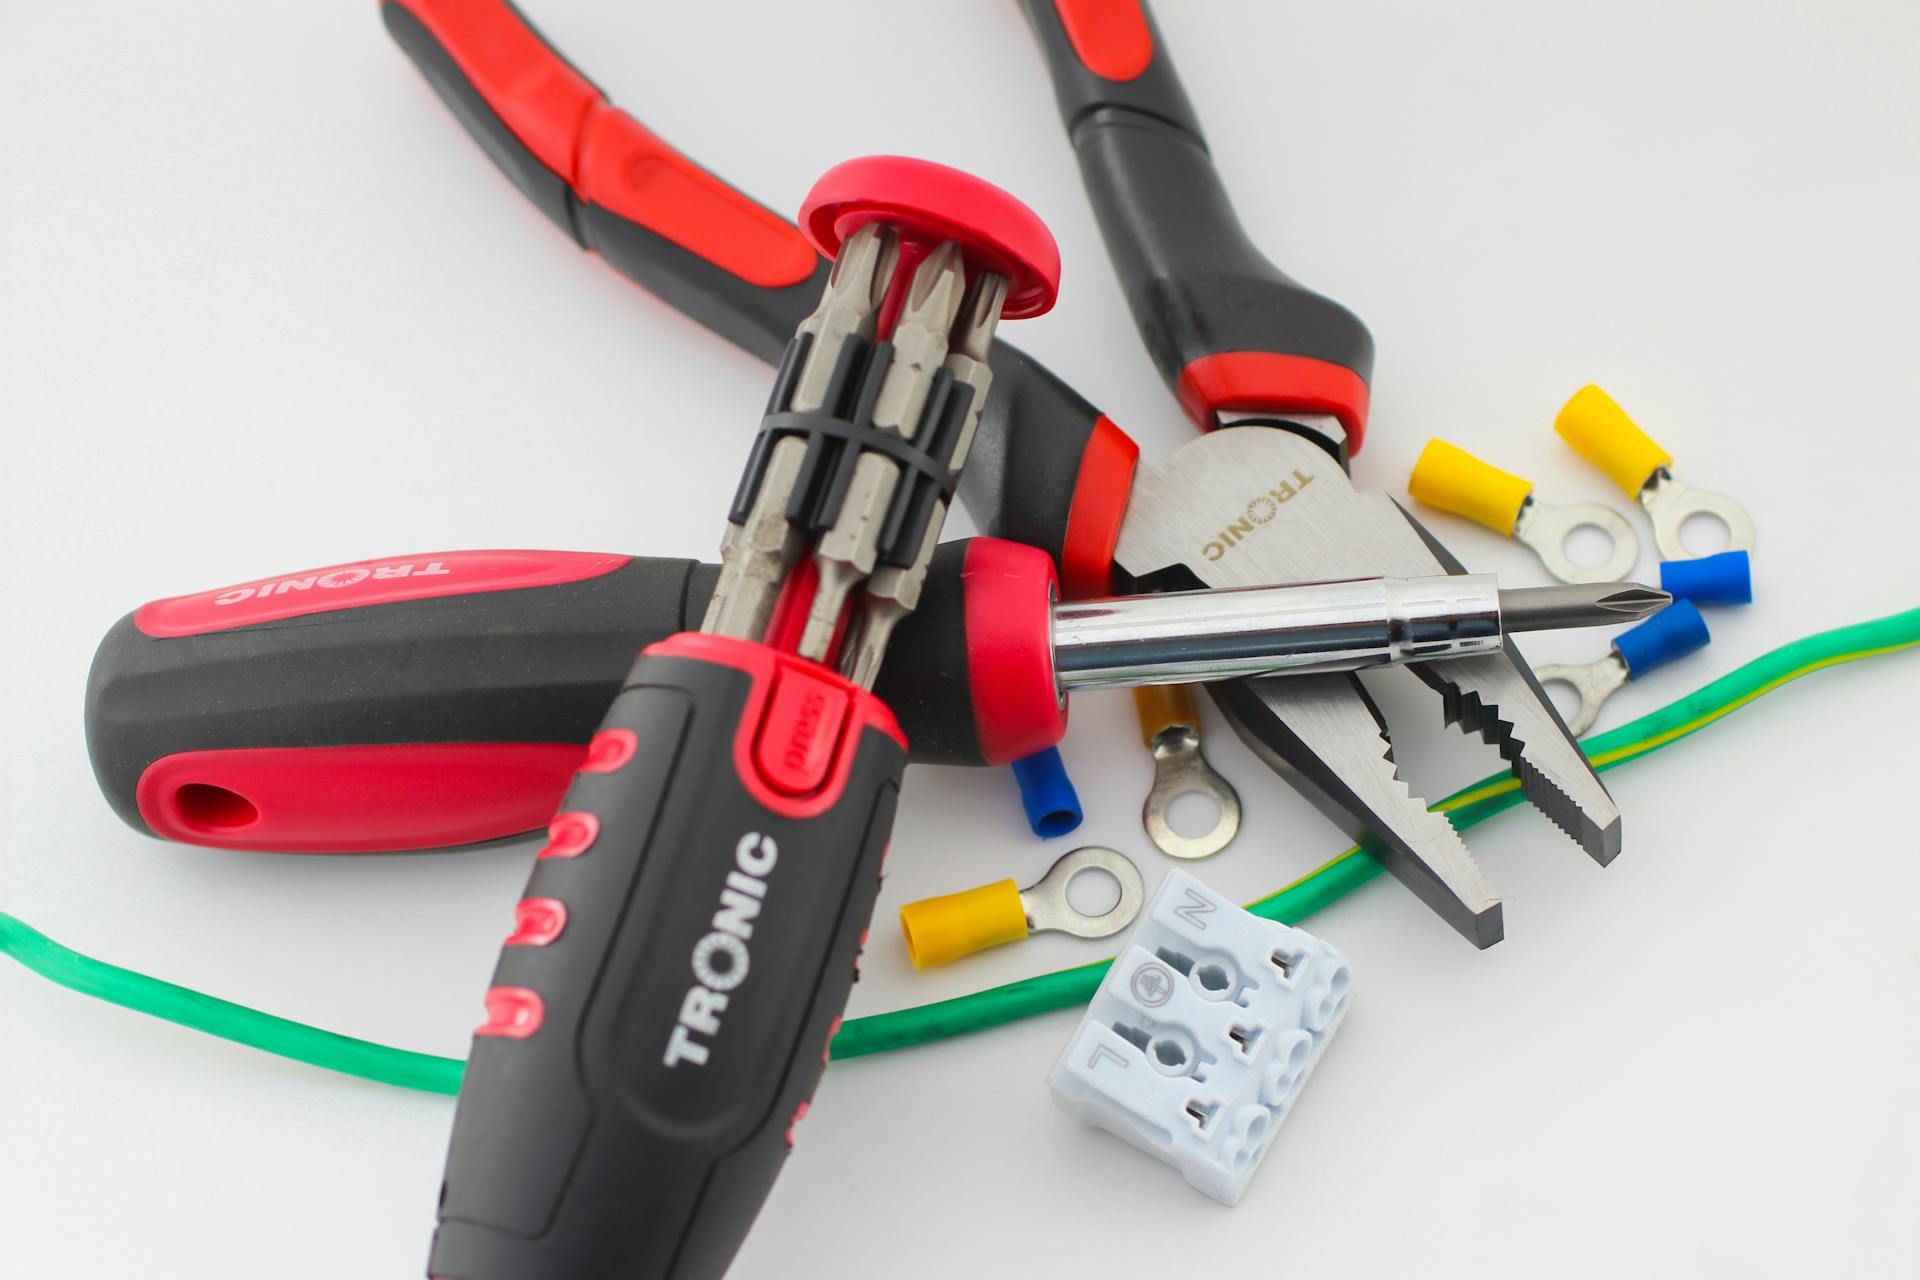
842,429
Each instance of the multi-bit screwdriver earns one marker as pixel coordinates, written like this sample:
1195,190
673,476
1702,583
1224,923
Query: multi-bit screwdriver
660,1014
440,699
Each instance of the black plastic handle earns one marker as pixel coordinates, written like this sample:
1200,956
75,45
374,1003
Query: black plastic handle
660,1016
1226,327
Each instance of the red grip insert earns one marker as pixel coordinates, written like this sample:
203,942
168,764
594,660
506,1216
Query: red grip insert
1101,488
606,156
1272,381
1110,37
801,727
365,582
355,799
1017,707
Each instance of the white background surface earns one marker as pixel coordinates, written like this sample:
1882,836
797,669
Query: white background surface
265,306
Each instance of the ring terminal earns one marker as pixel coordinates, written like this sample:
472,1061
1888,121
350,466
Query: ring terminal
1170,726
1601,432
1451,479
940,930
1670,634
1047,796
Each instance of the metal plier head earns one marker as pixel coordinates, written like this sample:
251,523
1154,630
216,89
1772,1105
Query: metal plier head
1244,346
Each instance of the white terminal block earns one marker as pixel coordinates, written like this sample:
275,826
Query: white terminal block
1202,1034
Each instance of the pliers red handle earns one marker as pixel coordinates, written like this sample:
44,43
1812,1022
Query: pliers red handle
1047,469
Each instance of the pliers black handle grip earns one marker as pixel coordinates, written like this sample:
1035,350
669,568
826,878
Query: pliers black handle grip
1228,330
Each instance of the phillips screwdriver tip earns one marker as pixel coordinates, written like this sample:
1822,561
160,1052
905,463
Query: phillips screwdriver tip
1597,605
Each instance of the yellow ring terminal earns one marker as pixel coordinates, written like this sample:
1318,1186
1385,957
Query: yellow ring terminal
1448,477
1601,432
941,930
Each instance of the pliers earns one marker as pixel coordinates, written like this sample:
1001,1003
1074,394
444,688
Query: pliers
1244,346
1240,344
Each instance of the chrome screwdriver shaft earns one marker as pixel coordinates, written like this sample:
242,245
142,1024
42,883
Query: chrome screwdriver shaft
1197,636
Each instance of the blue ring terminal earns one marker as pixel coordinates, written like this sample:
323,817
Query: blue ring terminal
1674,632
1047,794
1726,578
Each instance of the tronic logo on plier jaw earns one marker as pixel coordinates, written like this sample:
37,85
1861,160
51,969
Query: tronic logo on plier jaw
1262,509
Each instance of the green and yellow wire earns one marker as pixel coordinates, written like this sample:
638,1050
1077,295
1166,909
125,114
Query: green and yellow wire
995,1005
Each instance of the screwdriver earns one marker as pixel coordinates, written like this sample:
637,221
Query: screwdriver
447,698
1198,636
659,1017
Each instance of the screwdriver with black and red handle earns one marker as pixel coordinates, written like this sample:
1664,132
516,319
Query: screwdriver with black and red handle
431,700
659,1017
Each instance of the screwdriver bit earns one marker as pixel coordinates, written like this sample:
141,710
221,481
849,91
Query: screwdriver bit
1587,605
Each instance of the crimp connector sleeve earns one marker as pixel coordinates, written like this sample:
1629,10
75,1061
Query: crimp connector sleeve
1601,432
1448,477
1046,794
1164,706
941,930
1726,578
1674,632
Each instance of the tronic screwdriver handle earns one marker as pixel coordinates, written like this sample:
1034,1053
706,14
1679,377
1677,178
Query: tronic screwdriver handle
661,1011
430,700
660,1016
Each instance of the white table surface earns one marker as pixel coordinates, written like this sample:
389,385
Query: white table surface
263,305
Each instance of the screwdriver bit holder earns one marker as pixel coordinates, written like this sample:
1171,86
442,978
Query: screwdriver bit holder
842,429
711,874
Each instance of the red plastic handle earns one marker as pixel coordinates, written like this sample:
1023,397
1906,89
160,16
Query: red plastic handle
607,157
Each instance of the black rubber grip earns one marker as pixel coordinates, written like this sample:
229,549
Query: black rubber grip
656,1030
1196,283
1027,452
